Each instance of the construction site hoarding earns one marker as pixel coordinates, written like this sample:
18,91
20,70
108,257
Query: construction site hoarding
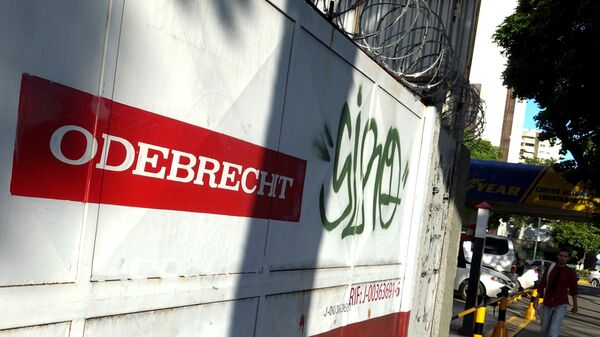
201,168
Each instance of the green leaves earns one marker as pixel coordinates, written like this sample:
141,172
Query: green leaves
481,149
582,237
552,48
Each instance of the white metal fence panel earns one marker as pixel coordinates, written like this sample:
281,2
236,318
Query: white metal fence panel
359,143
197,320
194,66
39,244
50,330
196,167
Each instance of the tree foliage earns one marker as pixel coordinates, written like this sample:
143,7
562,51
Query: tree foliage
481,149
582,237
520,221
552,49
540,162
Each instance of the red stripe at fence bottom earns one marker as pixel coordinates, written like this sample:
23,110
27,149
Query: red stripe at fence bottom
392,325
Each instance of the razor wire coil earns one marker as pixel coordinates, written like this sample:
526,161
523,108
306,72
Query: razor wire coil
410,40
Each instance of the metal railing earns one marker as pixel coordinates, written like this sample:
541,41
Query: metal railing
517,297
502,302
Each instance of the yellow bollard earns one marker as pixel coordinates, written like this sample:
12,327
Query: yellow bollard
500,328
530,313
479,319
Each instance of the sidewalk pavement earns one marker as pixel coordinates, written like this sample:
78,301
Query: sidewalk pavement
586,323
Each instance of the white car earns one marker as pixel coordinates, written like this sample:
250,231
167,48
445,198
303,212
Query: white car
594,278
490,282
498,253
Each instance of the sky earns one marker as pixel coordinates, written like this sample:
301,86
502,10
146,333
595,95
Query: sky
531,109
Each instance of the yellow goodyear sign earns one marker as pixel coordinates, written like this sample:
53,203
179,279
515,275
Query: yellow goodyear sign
527,185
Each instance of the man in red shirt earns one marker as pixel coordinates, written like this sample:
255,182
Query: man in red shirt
557,279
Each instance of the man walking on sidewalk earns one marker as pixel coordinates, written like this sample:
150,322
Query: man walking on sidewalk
557,279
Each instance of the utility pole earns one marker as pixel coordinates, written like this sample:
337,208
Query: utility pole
537,237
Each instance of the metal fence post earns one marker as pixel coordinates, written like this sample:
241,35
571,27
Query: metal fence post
500,328
479,320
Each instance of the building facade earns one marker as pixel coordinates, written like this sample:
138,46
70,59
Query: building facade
533,148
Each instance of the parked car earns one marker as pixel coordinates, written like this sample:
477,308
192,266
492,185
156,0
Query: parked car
490,282
498,254
540,264
594,278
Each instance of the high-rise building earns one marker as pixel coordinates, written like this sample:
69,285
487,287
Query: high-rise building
533,148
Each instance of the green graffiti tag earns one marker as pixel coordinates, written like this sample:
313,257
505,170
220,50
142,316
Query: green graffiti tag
362,166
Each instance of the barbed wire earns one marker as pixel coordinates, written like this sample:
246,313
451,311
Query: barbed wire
405,36
464,110
410,40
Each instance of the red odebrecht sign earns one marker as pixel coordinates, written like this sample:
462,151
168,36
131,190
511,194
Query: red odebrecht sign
72,145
